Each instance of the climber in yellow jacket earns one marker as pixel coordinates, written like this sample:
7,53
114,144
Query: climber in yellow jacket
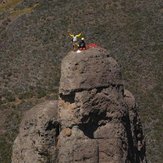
75,40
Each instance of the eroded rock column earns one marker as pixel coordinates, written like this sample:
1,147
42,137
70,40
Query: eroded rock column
95,119
92,111
37,138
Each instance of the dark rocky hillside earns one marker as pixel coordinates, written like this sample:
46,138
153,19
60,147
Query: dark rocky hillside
33,40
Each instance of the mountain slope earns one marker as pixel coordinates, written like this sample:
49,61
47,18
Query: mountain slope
33,43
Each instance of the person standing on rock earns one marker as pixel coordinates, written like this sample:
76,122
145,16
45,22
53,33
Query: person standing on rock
75,40
82,45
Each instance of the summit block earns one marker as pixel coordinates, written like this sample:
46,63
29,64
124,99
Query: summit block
87,70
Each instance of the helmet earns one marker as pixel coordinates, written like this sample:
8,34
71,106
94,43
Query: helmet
82,38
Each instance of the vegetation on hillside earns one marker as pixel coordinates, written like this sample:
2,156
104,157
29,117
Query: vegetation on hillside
34,40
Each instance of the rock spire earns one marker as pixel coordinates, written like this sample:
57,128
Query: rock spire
94,121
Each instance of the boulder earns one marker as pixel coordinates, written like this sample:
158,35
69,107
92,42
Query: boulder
37,138
92,99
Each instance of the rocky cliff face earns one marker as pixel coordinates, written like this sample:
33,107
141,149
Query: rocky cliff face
94,121
38,133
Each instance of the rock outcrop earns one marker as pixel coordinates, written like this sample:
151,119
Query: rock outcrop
139,146
97,119
36,141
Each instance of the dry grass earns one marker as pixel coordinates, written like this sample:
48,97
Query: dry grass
19,12
10,4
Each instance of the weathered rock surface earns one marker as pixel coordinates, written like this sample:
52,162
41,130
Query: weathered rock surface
97,119
136,128
87,70
94,104
36,141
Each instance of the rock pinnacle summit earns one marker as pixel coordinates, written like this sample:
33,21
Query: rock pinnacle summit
95,119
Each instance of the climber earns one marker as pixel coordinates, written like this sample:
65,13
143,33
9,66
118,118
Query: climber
82,45
75,40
